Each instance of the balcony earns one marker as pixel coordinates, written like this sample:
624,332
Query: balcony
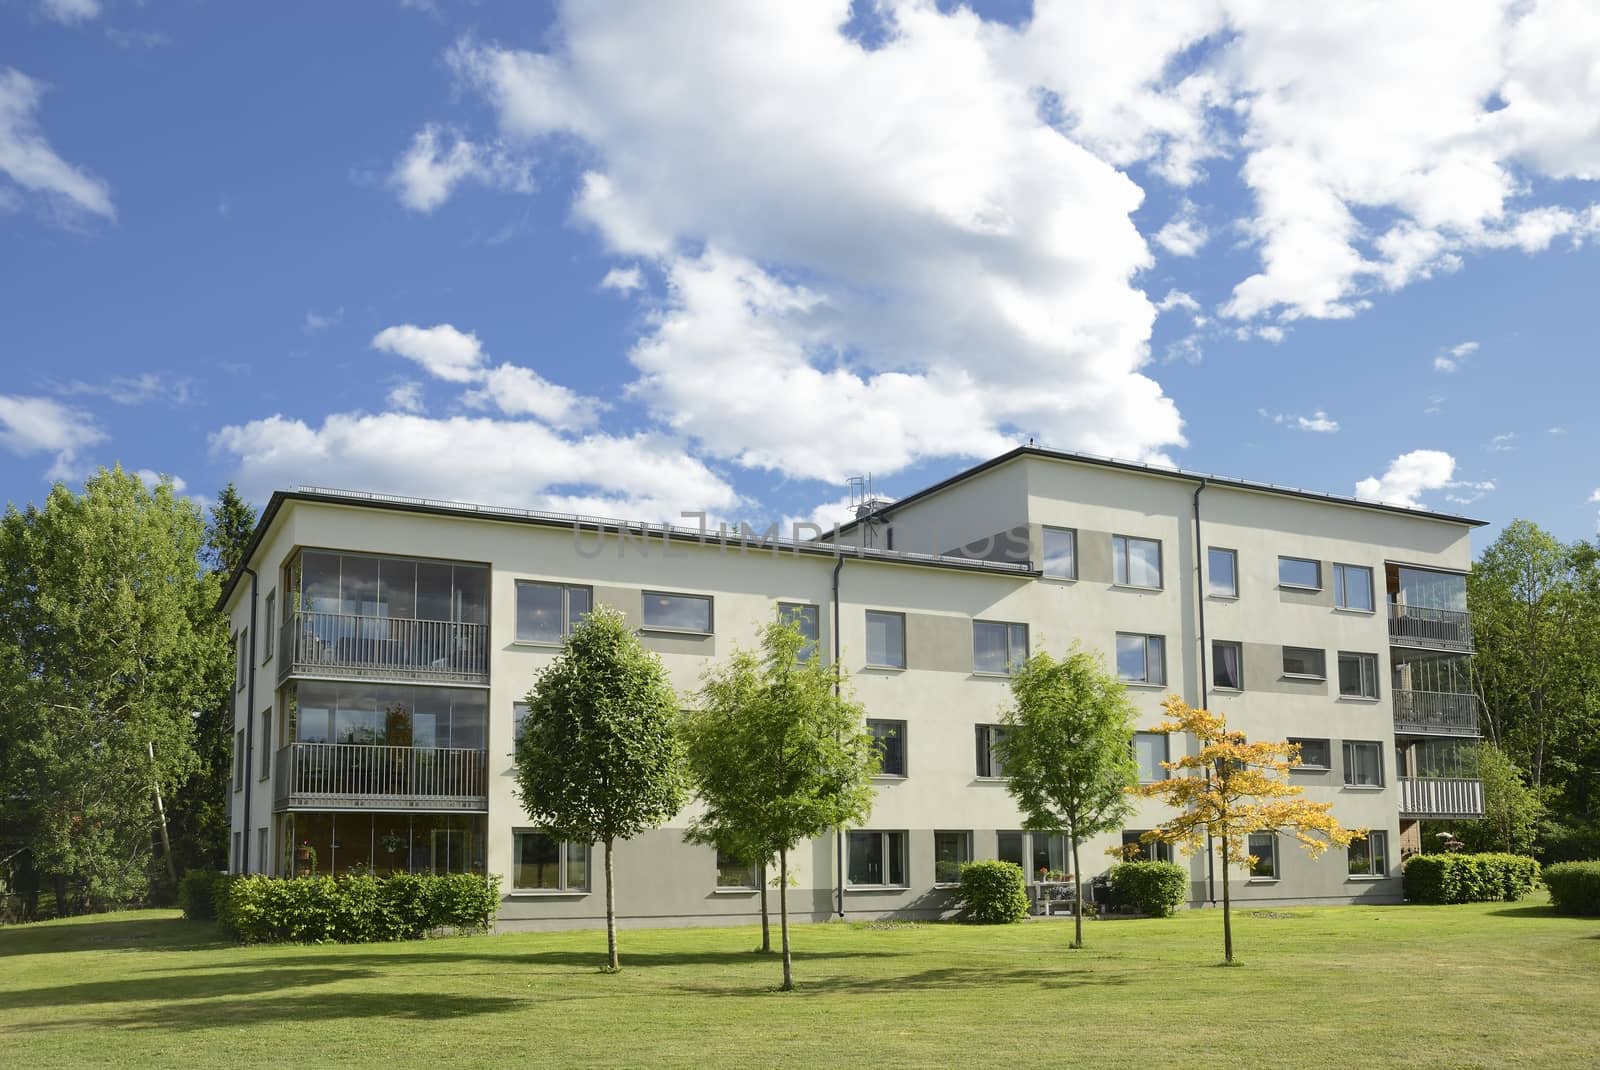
385,648
354,776
1435,713
1433,629
1441,797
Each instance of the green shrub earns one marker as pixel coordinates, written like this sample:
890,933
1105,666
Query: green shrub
993,893
1463,878
199,892
1574,887
356,908
1154,888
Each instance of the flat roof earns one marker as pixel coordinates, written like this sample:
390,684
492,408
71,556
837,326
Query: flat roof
1164,472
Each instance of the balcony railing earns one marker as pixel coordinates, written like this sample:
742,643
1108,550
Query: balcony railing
1443,629
352,644
337,776
1444,797
1435,713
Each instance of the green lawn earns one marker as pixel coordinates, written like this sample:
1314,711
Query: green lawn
1490,985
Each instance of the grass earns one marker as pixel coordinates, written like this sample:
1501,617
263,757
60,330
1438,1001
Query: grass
1492,985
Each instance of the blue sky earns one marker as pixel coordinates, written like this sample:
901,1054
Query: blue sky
631,262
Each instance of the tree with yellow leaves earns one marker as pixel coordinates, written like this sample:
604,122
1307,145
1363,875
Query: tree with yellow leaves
1231,788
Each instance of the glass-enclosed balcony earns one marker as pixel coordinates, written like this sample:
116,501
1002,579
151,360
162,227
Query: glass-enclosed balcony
1439,779
384,618
1432,694
1428,609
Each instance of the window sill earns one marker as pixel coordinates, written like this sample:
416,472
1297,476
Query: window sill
735,891
1146,684
877,887
1312,769
1365,700
1135,587
1222,597
1230,690
947,886
545,893
690,632
1302,590
985,675
869,667
1262,880
1367,877
1304,678
990,780
890,776
1058,579
1364,787
538,644
1355,611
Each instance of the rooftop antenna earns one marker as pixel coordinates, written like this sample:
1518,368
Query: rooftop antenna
865,503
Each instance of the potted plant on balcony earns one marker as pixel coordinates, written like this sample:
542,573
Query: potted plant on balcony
394,843
305,860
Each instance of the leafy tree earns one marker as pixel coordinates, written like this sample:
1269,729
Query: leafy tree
1231,788
1068,751
1511,809
599,759
778,754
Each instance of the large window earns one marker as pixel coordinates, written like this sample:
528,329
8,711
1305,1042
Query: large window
1369,857
890,739
542,863
1305,662
808,619
735,873
1300,572
357,585
1264,849
1358,675
1150,750
877,859
677,612
1049,855
886,639
1060,553
998,646
1315,754
1136,849
519,717
951,851
548,611
1363,764
1141,659
990,737
395,715
1222,573
1352,587
1009,847
1227,665
1135,562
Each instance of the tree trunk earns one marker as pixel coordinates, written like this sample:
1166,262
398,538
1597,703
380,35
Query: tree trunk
783,916
161,812
766,917
1077,907
611,913
1227,905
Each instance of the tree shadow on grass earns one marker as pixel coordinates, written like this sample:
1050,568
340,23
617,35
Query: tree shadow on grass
1538,910
925,981
187,985
379,957
125,934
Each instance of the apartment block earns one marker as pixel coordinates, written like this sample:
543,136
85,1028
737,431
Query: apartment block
385,646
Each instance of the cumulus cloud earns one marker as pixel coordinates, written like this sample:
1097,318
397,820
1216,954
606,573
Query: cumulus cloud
448,354
438,162
1451,359
406,396
319,321
1594,497
1184,234
151,478
27,159
1412,474
1319,421
30,425
624,280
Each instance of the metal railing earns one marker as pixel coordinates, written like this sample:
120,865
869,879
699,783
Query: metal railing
1445,629
337,775
1452,797
1439,713
353,644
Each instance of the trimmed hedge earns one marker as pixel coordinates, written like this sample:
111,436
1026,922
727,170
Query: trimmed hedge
993,893
1462,878
1154,888
355,909
199,892
1574,887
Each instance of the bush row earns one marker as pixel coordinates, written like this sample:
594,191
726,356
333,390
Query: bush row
352,909
1153,888
1574,887
993,893
1462,878
199,891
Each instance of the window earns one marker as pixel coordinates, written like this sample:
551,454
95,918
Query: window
998,646
1150,750
1227,665
1264,849
238,761
1358,675
733,873
951,851
1305,662
1135,849
1008,848
807,618
677,612
1135,562
242,672
1141,659
890,739
886,639
1315,754
266,635
1369,857
1363,764
1352,587
237,856
1060,553
1300,572
519,715
542,863
262,865
547,611
1222,573
266,743
1049,856
877,859
990,738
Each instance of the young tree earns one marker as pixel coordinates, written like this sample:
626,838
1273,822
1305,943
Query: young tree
1231,788
778,755
1068,751
599,759
1511,810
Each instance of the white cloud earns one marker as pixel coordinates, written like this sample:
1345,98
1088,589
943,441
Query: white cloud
141,389
1452,358
31,425
316,321
824,516
1594,496
151,478
623,280
438,162
1184,234
445,352
27,159
136,38
1503,443
1411,474
1179,299
1557,431
406,396
1318,421
70,12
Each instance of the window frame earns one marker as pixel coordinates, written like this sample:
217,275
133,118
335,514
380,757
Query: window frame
1321,654
270,613
239,759
711,613
564,848
1154,850
1010,628
751,871
986,739
905,763
1292,586
566,590
1166,755
1046,530
1234,556
1366,661
266,744
1341,585
1121,557
786,614
966,852
1145,681
1215,661
867,621
1377,860
1347,748
1312,767
884,842
1272,873
242,655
